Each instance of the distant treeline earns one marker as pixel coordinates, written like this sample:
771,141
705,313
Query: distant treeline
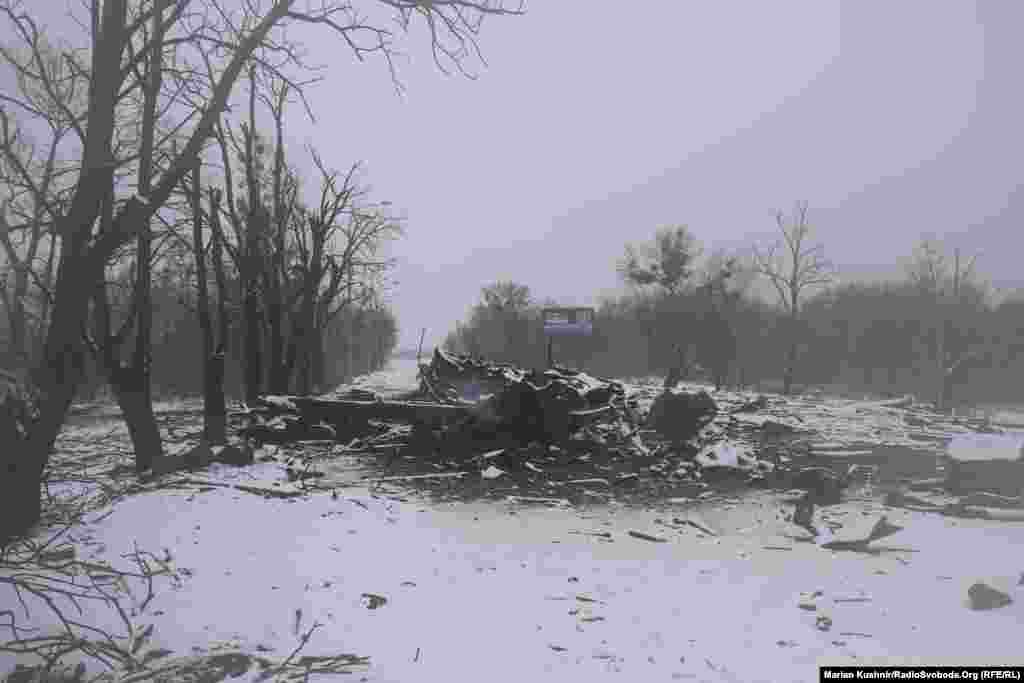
883,338
356,341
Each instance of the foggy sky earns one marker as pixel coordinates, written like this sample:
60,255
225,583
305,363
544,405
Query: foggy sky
597,122
594,123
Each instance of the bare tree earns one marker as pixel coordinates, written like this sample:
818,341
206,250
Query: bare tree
284,202
23,242
34,179
793,265
359,274
132,381
212,342
253,253
303,266
337,248
121,43
944,286
245,215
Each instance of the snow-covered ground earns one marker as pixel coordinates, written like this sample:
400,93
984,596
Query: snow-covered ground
499,591
506,593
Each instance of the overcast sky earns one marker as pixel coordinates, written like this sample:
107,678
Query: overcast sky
596,122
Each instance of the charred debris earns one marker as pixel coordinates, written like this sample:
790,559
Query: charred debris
474,429
559,426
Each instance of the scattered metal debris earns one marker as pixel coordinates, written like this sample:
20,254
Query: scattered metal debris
981,596
372,600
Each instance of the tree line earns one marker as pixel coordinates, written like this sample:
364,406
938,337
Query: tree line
937,332
149,201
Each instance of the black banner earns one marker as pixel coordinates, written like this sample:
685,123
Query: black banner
921,673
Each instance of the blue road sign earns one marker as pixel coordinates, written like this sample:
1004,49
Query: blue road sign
568,321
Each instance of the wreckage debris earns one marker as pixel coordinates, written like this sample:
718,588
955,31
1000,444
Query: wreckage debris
726,458
492,472
809,601
881,529
681,416
767,425
752,406
372,600
562,428
981,596
480,399
822,485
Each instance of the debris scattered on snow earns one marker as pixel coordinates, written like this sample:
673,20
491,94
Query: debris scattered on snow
372,600
681,416
696,525
981,596
492,472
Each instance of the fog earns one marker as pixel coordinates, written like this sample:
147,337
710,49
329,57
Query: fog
593,125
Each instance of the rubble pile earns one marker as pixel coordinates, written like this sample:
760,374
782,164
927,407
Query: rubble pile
457,394
564,433
558,431
681,416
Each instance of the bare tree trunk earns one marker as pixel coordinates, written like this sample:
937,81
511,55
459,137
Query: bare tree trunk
791,356
18,321
349,342
56,377
275,321
308,336
130,389
787,378
127,384
305,363
252,312
355,341
214,401
292,357
940,365
255,230
318,361
133,385
275,290
253,369
947,390
46,305
214,418
61,366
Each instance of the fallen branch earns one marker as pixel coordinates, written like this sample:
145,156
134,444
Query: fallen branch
49,574
646,537
439,475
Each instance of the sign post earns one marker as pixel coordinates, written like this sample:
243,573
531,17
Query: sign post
574,321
